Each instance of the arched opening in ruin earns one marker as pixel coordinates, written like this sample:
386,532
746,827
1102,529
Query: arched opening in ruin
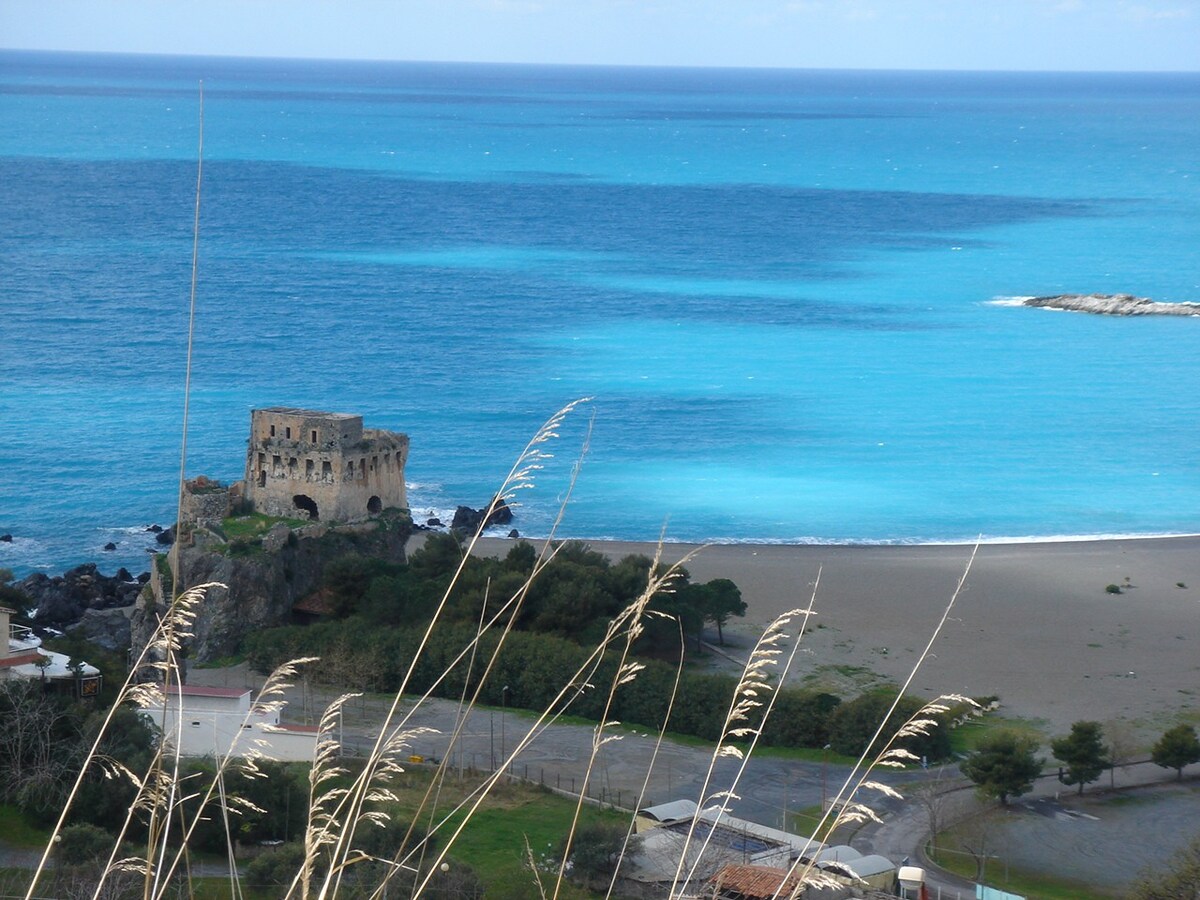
374,506
306,503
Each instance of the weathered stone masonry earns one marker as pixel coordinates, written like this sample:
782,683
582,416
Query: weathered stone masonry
322,465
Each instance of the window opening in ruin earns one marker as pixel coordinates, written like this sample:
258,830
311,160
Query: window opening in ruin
277,465
309,466
387,461
308,505
272,431
350,469
262,477
314,437
374,463
362,467
374,506
293,467
326,470
288,433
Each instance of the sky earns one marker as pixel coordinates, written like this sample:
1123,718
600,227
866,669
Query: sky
1066,35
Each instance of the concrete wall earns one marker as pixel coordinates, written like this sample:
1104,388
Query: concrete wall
324,466
210,727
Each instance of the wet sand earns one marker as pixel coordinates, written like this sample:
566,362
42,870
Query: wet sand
1033,623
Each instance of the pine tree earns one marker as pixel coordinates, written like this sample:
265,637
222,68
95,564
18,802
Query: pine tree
1178,747
1083,753
1004,764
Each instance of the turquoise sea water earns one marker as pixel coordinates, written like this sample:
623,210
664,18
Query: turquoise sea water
775,285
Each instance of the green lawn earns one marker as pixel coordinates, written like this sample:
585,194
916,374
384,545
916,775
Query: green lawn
255,525
17,832
964,738
1006,877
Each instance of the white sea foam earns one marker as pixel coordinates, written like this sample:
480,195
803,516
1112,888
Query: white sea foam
809,541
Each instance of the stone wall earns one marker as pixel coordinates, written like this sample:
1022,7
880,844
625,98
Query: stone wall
323,466
206,502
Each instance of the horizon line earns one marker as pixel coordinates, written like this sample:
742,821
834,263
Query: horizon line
592,65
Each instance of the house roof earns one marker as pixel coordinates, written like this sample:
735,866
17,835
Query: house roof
307,413
20,659
670,812
839,853
866,866
755,881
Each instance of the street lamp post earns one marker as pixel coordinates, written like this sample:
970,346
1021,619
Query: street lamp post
824,770
503,717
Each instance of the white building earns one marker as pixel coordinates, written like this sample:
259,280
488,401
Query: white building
718,839
215,721
22,656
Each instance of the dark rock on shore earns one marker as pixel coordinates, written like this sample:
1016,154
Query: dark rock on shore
110,546
108,628
165,536
1113,305
62,600
254,590
6,539
468,520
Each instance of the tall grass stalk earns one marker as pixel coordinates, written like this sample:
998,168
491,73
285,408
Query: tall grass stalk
341,803
752,684
393,736
849,809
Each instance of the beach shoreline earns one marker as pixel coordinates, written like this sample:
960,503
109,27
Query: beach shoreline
1035,623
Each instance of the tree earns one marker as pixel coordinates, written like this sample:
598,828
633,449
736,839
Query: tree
853,724
40,748
1123,746
1083,752
1180,881
933,796
596,850
979,838
1178,747
720,599
1004,764
83,843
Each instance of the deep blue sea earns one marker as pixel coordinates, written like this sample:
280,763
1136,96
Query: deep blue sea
776,286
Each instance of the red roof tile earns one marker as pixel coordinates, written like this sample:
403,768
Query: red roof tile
755,881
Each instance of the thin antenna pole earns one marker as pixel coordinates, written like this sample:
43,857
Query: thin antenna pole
177,587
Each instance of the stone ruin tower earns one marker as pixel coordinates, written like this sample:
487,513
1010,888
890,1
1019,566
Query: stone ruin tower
322,465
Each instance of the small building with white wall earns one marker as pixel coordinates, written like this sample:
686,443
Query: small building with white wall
215,721
717,839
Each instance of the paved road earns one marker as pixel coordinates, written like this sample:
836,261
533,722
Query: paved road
768,787
558,757
1138,816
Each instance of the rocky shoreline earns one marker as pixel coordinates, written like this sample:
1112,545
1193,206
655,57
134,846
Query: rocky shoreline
1112,305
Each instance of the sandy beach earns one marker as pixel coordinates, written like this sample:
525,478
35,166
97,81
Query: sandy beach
1033,624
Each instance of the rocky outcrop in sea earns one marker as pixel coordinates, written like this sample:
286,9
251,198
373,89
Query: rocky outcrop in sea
62,600
258,579
1112,305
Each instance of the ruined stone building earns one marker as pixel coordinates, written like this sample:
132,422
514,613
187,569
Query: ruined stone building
322,465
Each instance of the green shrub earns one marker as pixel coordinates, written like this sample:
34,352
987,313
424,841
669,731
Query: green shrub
83,843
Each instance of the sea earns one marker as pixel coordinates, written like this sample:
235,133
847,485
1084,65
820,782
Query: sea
776,291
